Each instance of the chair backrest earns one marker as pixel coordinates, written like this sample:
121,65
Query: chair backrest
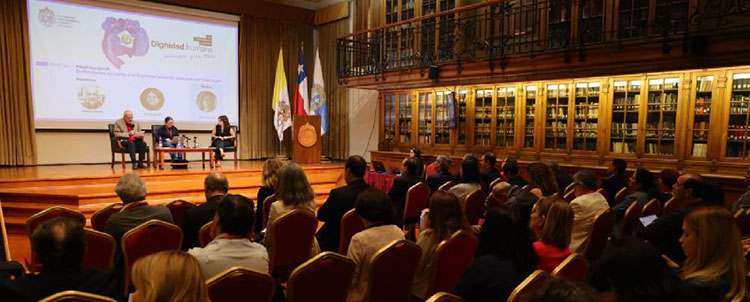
494,183
452,257
651,208
523,292
446,186
150,237
494,201
292,237
574,268
100,250
444,297
392,271
76,296
570,196
154,139
620,196
631,222
114,143
267,208
569,188
57,211
325,277
604,193
350,225
526,187
99,218
743,220
600,231
236,134
669,206
179,208
206,233
241,284
473,206
416,200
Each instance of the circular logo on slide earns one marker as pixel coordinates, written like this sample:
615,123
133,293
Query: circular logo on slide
47,17
206,101
152,99
90,97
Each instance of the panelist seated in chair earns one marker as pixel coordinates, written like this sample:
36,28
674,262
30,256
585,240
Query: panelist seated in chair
60,244
169,137
222,136
130,136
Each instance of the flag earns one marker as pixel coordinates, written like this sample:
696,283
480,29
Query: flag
300,95
318,101
282,117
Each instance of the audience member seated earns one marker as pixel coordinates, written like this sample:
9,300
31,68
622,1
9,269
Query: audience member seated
563,179
215,186
340,201
744,201
551,221
59,244
132,191
542,182
511,172
470,178
521,201
562,290
234,217
504,258
168,276
664,232
714,266
442,173
415,154
377,213
667,178
587,204
616,179
635,272
293,193
445,217
489,171
641,191
269,179
401,185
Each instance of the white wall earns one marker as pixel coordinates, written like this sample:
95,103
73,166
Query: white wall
363,122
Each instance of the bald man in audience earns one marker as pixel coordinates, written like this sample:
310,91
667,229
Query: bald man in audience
215,186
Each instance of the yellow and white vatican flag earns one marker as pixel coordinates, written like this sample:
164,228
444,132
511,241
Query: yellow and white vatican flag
282,117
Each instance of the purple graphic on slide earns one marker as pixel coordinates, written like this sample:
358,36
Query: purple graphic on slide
123,37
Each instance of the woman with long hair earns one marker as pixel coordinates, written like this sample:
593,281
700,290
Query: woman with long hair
293,192
470,178
552,222
417,156
504,258
445,218
168,276
222,136
541,180
714,267
641,189
269,179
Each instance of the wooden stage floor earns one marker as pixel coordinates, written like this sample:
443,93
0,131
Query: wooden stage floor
88,188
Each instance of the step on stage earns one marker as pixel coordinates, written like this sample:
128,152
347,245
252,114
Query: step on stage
88,188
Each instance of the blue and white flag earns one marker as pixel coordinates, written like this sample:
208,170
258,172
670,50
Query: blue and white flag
318,101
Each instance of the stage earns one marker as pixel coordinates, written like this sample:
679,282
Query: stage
88,188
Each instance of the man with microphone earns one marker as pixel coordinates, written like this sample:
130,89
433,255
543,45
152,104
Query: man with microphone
130,136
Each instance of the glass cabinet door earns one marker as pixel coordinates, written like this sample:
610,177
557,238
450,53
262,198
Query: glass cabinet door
506,114
585,129
461,120
556,126
482,116
404,118
530,111
739,120
424,130
625,109
389,127
661,115
442,131
701,111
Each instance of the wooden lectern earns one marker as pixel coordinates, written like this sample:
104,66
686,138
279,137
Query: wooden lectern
306,136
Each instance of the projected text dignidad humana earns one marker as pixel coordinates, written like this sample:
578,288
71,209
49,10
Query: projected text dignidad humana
180,46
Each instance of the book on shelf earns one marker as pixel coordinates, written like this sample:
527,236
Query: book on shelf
621,147
699,150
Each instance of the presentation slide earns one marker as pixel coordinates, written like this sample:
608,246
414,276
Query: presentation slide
89,63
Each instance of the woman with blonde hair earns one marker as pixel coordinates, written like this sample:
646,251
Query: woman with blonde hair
269,179
293,192
552,223
714,266
445,217
168,276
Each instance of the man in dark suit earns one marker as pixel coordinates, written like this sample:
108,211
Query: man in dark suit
616,180
132,191
340,201
510,169
59,244
401,186
215,186
442,173
489,171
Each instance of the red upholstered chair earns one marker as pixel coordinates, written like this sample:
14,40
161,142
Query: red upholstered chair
570,196
630,222
523,292
292,237
57,211
526,187
574,268
446,186
148,238
651,208
669,206
495,182
452,257
600,231
392,271
570,188
474,205
350,225
416,201
241,284
493,201
743,220
76,296
444,297
178,208
100,217
604,193
620,196
267,208
100,250
206,233
324,278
